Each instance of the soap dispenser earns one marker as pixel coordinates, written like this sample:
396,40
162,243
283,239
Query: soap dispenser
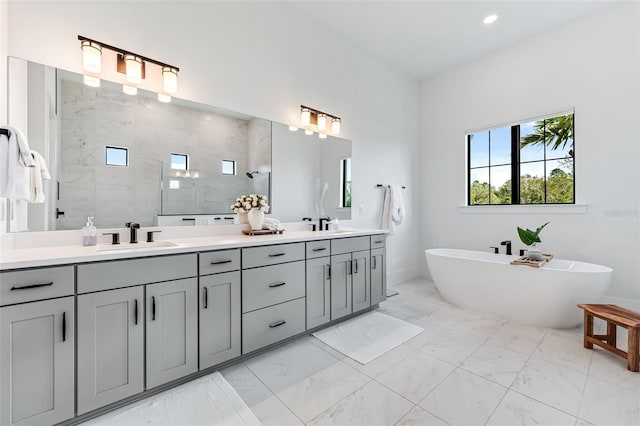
89,233
333,224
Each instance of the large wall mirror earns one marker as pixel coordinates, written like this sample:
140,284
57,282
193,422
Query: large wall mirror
122,158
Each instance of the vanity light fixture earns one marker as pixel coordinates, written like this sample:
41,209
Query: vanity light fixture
129,63
308,132
490,19
318,120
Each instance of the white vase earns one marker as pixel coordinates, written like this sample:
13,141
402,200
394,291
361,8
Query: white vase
256,218
242,218
534,253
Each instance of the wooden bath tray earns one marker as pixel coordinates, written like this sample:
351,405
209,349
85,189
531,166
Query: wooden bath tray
524,260
262,231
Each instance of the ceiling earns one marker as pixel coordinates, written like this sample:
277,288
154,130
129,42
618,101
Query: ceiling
426,37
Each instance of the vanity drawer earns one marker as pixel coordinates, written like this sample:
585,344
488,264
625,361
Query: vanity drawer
35,284
125,273
214,262
271,285
318,249
348,245
378,241
269,325
271,255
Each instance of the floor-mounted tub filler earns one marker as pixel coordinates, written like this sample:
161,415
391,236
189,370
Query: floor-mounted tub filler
545,297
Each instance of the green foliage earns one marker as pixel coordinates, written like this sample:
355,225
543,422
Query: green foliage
529,237
554,132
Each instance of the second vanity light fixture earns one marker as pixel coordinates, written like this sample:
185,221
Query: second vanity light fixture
312,119
130,64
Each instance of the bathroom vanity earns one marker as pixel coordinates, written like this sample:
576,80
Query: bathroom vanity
84,331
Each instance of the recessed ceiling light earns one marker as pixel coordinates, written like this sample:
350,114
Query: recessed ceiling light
490,19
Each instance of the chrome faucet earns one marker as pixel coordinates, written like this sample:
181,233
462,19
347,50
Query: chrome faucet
508,244
133,239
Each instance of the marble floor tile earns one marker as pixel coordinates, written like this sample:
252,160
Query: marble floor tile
288,365
566,352
480,324
449,315
613,369
382,363
415,376
373,404
495,363
419,417
272,412
248,386
328,349
581,422
516,409
431,330
452,346
478,396
314,394
518,337
409,309
552,384
605,404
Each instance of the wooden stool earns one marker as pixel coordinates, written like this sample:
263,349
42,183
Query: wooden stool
614,316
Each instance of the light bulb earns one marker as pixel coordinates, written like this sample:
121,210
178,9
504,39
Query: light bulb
170,79
293,128
305,116
134,68
322,122
322,135
91,56
91,81
335,126
308,132
164,98
490,19
129,90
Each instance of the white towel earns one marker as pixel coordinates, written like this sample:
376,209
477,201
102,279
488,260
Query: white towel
37,176
270,223
392,208
15,161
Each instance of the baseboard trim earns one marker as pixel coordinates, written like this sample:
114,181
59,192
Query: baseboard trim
632,304
403,275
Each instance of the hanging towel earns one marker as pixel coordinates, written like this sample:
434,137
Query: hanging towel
37,176
15,161
392,208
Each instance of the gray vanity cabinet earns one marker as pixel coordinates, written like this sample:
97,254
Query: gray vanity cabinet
37,362
341,285
219,318
110,346
172,330
318,291
378,276
361,279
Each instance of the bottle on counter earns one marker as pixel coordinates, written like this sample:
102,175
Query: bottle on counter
89,233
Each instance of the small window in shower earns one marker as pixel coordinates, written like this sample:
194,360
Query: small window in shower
345,178
117,156
228,167
180,161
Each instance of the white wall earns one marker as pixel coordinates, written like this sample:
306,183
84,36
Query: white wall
4,47
263,59
592,65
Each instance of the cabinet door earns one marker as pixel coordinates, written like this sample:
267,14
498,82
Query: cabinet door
361,279
172,333
340,285
219,318
378,276
37,362
318,291
110,347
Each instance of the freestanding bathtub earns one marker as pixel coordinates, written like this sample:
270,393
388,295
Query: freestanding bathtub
545,296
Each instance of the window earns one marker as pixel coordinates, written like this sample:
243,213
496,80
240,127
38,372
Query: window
180,161
116,156
345,178
527,163
228,167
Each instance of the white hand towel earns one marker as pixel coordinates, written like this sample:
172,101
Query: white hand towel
270,223
392,208
37,176
15,160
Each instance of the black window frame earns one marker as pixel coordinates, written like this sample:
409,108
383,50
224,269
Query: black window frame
177,154
343,175
235,170
118,148
516,163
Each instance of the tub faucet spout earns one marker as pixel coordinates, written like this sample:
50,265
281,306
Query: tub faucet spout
508,244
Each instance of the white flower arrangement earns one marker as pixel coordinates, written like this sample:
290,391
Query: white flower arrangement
245,203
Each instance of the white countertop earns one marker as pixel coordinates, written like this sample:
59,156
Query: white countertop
69,254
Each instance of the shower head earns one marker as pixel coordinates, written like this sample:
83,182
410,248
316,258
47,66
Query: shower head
251,174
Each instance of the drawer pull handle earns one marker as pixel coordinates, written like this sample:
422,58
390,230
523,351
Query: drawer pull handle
135,311
153,308
221,262
350,262
320,249
26,287
356,271
206,298
375,262
277,254
64,326
378,241
328,275
277,324
276,285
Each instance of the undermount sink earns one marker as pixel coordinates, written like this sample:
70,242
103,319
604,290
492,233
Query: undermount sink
136,247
